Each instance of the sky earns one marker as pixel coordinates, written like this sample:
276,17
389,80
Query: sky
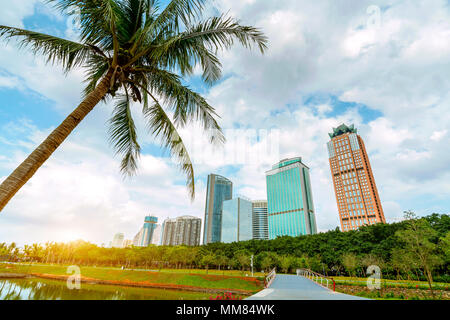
381,65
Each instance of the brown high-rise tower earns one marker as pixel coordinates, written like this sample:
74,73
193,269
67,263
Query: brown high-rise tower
356,193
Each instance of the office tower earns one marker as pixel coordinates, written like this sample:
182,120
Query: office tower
184,230
218,190
144,237
289,196
237,220
156,238
187,231
117,240
260,221
168,232
354,185
138,238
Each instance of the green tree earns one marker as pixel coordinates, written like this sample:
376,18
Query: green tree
132,51
244,259
445,246
402,261
350,262
221,260
207,260
372,260
268,260
418,242
314,263
286,263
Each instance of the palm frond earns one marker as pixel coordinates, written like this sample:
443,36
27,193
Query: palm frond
97,19
220,33
97,67
196,44
123,136
161,126
133,16
184,10
167,22
184,55
56,50
186,104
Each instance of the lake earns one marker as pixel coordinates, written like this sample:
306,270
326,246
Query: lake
43,289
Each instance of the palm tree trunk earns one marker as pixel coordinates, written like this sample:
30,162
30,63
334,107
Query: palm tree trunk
11,185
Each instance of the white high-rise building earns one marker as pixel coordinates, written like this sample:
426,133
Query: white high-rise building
156,238
118,240
183,230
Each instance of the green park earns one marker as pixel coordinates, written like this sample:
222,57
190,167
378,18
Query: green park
413,256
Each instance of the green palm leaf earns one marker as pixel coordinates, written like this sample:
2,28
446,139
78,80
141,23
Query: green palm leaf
67,53
123,135
161,126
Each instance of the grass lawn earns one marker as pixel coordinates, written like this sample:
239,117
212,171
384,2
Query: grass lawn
171,277
393,289
411,284
236,273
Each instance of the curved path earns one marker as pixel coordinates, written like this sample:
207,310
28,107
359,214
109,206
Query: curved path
290,287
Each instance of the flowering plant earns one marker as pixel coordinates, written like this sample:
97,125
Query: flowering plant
225,296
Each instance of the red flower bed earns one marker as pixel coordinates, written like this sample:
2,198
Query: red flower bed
226,296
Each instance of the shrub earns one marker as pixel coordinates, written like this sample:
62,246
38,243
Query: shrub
225,296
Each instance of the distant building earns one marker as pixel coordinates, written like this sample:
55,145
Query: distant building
260,220
237,221
127,243
168,232
184,230
117,240
289,196
354,184
218,190
156,238
144,237
138,238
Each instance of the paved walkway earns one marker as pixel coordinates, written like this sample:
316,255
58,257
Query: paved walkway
290,287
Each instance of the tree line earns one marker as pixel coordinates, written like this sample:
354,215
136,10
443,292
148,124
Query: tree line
416,248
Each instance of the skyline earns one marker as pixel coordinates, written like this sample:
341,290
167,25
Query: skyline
360,78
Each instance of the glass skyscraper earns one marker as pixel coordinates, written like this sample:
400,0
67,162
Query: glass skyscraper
354,184
289,196
218,190
144,237
260,221
237,220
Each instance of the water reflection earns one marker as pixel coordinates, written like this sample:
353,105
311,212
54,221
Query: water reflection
40,289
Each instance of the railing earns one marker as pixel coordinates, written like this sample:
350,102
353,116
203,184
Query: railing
322,280
270,277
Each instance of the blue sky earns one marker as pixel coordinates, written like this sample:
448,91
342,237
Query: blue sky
327,64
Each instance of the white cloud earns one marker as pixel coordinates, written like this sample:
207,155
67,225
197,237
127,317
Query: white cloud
13,12
79,191
8,82
438,135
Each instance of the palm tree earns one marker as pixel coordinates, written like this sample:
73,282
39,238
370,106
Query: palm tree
133,50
